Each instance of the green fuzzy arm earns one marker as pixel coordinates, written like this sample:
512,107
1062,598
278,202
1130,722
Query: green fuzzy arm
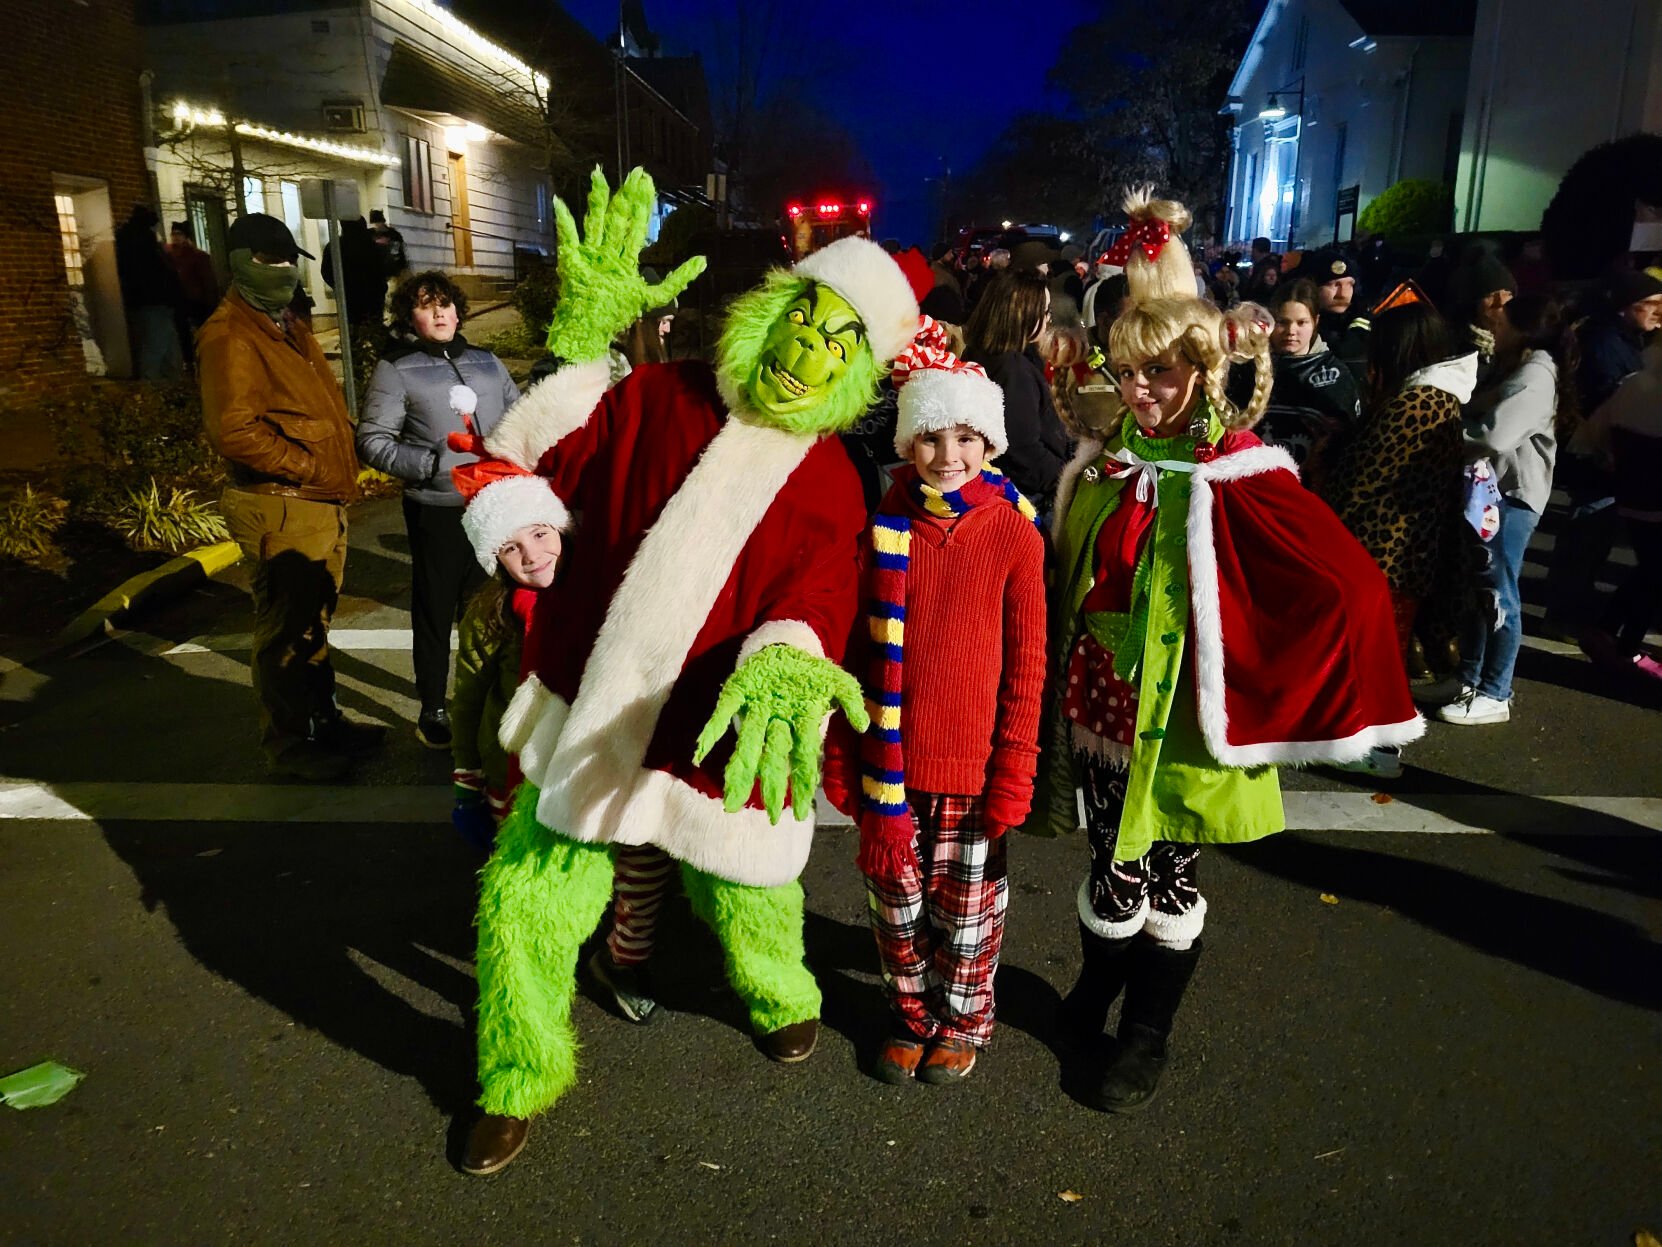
601,289
783,695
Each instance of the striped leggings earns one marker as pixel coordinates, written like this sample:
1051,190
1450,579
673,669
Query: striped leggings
643,874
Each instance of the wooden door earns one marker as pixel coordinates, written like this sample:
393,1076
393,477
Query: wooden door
460,225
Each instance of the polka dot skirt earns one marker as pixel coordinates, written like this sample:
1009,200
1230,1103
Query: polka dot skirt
1097,699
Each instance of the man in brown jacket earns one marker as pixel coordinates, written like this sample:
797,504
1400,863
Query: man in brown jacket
272,407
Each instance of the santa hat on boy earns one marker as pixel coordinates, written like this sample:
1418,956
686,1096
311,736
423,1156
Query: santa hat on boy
939,391
501,499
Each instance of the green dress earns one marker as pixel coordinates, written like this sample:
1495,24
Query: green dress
1175,790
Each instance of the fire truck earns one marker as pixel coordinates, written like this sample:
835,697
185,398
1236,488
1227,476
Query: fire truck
823,220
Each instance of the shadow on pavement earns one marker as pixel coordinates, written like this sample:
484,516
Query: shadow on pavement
348,930
1595,951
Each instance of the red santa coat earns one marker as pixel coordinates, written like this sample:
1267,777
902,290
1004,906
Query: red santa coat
700,539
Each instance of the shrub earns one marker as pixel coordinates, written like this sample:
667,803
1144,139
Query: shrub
1589,223
180,523
27,522
515,342
1412,206
534,300
124,436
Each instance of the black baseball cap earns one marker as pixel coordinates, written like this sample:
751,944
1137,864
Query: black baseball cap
264,235
1327,264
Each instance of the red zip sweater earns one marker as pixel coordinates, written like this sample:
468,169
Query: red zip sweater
974,665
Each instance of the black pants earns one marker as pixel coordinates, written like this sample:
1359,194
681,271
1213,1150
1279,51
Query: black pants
1635,604
444,574
1157,893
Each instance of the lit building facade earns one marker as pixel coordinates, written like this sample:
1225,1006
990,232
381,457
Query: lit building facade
1334,101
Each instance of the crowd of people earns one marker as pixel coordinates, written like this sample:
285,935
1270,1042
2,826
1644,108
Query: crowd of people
1261,505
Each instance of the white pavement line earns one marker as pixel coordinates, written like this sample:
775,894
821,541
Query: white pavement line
1416,813
339,638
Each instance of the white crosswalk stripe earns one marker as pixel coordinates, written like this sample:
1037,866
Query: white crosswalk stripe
1416,813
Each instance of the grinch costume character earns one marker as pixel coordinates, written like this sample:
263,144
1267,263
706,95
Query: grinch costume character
710,584
1212,619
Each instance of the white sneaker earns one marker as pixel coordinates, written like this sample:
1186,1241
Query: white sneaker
1382,762
1474,708
1442,692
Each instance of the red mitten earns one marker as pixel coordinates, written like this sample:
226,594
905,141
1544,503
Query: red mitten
1006,801
841,775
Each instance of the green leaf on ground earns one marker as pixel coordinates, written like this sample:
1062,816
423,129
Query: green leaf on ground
39,1085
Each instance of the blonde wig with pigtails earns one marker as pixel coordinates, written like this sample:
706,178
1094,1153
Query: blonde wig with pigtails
1168,316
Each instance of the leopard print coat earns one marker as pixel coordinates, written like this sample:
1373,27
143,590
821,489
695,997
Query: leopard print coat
1396,484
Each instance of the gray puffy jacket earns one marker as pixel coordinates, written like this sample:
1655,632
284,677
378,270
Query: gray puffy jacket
409,413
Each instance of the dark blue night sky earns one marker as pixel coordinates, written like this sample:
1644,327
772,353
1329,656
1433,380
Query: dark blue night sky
928,85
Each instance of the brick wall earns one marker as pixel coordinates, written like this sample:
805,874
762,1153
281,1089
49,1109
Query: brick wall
73,108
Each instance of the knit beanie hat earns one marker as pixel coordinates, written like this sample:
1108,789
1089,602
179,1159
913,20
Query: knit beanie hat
938,391
867,276
501,498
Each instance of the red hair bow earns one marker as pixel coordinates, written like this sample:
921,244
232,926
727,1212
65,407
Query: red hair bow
1151,235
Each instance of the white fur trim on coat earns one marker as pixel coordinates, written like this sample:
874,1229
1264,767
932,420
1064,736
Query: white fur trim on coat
1207,618
867,276
933,400
782,632
1090,449
1176,931
1101,926
594,784
530,699
505,506
552,408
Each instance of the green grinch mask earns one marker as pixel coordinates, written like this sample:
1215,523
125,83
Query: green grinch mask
795,356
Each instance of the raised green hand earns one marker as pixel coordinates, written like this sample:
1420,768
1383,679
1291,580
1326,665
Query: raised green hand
782,695
602,291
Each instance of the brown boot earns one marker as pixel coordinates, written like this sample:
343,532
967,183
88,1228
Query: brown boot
793,1043
493,1143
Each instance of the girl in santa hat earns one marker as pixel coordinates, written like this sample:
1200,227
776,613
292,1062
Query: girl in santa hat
515,523
1212,619
954,592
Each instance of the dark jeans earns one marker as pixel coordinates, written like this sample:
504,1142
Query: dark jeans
443,575
1582,548
1635,604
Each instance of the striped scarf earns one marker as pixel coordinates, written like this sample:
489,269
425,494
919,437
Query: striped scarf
887,837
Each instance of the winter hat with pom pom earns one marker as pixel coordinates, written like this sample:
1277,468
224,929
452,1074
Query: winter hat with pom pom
501,498
938,391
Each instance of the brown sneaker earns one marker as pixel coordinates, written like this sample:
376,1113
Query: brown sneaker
949,1061
898,1060
790,1044
493,1143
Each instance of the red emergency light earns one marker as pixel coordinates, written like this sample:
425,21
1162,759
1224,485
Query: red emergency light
829,209
865,207
795,210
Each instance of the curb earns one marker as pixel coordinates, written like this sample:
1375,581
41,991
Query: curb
172,578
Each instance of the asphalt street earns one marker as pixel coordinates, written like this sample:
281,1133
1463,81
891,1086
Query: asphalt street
1431,1015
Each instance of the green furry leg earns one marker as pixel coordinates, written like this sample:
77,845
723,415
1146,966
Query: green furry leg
760,930
541,896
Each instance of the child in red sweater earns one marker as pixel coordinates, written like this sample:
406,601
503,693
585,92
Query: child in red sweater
956,618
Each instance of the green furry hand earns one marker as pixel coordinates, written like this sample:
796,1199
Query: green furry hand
783,696
602,291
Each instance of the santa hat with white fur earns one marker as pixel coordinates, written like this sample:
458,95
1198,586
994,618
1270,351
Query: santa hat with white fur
938,391
501,498
874,285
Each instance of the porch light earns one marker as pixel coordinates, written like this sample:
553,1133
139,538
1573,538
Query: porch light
1274,110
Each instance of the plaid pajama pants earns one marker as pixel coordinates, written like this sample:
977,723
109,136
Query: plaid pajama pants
1157,893
939,929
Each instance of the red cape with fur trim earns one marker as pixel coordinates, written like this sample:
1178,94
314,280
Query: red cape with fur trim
1295,650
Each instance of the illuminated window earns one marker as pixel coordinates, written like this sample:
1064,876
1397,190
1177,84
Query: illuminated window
253,194
70,233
